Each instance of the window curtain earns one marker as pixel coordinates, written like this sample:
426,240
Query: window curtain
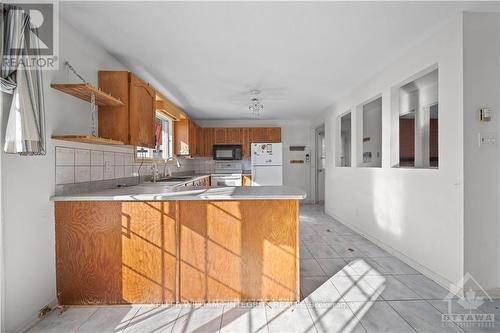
25,130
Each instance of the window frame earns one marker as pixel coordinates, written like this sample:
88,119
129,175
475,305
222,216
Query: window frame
338,157
395,122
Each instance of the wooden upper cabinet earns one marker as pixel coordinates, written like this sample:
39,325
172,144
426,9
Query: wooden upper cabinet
242,136
113,121
208,142
132,123
200,148
227,136
265,134
220,136
274,134
142,113
233,136
245,141
181,137
186,138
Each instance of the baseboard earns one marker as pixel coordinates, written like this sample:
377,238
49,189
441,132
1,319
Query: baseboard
30,322
443,282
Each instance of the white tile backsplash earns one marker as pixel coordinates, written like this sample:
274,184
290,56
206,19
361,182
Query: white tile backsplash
97,157
96,163
65,156
109,170
82,157
119,171
82,174
128,159
128,171
65,174
96,172
109,158
119,159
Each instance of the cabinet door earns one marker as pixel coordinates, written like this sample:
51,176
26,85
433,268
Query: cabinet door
192,138
265,134
220,136
233,136
141,113
114,120
200,148
181,137
258,134
115,252
245,141
259,259
274,134
208,142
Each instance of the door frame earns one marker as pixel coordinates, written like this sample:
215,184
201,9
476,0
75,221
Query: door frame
317,149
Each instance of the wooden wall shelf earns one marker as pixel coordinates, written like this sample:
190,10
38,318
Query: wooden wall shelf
88,139
84,92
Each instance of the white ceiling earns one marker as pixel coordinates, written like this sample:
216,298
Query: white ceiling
302,56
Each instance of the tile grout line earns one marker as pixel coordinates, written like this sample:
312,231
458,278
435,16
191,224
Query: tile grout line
130,320
312,318
86,320
454,323
399,314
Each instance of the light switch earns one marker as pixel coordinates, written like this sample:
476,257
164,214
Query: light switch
487,139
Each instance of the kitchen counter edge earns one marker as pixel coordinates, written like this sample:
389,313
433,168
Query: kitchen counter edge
167,193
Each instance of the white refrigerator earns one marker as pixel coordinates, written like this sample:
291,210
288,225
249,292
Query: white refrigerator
267,164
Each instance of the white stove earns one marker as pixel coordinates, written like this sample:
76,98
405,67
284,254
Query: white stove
227,174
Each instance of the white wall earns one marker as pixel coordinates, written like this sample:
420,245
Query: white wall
416,212
28,182
293,132
482,165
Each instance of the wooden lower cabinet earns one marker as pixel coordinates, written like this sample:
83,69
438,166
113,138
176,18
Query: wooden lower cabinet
115,252
137,252
239,250
247,180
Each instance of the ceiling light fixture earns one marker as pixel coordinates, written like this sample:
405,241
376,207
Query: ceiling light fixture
255,106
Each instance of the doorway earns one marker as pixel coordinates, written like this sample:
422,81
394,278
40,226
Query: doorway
320,164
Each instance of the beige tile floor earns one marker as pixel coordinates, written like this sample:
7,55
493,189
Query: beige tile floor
348,284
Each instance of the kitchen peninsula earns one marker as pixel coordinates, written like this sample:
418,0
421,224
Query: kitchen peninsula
153,243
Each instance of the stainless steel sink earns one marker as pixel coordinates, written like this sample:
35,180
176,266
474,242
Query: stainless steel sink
174,179
178,178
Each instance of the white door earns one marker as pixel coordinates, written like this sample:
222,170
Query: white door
267,175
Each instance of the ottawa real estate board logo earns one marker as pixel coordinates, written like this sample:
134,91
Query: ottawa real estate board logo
33,45
472,309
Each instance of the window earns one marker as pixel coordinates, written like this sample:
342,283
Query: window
344,147
163,140
371,139
418,118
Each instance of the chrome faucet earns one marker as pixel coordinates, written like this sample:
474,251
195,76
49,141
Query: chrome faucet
172,160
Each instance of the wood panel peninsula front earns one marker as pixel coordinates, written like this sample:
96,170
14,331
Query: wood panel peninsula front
155,244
